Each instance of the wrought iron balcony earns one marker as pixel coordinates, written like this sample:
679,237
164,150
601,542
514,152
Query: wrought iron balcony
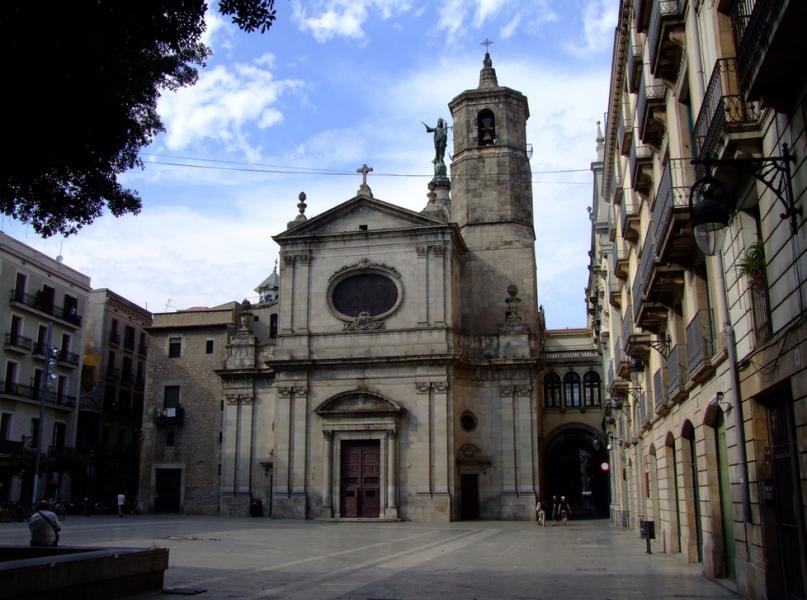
634,68
676,373
39,303
761,311
724,111
12,448
650,107
69,358
629,218
17,342
615,293
625,132
700,345
621,260
28,392
642,281
641,168
672,229
169,416
114,338
665,38
770,48
660,390
641,14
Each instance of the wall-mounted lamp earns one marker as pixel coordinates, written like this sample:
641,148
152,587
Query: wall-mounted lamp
710,206
718,401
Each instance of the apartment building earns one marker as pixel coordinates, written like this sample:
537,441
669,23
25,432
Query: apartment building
697,291
41,312
113,383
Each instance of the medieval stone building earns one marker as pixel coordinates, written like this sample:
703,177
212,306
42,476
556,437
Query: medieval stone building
395,366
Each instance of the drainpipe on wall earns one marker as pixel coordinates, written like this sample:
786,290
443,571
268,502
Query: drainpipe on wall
731,349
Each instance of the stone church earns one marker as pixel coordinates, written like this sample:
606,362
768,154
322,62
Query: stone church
396,365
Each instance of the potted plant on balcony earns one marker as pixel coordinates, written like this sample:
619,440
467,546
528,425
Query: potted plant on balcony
752,264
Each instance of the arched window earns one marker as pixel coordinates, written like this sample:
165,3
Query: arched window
552,390
571,389
273,326
591,389
486,125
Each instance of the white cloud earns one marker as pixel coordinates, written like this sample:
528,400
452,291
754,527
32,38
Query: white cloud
599,21
453,16
222,105
343,18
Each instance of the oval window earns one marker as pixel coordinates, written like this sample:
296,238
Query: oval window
370,293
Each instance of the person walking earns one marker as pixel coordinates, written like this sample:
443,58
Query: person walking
540,513
44,526
555,511
565,510
121,502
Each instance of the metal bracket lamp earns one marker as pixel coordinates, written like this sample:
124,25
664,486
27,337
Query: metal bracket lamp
709,206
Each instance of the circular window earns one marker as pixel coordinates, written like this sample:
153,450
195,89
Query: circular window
468,421
371,293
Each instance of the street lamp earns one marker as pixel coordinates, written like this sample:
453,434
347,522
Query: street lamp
710,211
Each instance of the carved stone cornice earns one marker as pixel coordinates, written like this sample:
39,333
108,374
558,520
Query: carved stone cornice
439,387
363,322
366,264
422,251
241,397
287,391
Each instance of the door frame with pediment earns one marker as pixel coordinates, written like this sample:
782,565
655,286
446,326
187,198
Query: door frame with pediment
359,415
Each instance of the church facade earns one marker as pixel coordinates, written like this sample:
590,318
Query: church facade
396,366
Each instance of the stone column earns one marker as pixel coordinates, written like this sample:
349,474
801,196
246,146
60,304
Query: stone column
326,510
287,299
391,510
437,283
423,285
507,411
523,455
423,445
442,436
302,297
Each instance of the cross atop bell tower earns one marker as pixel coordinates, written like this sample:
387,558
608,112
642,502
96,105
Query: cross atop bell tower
491,184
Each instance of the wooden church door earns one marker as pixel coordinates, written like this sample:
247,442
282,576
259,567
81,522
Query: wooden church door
360,485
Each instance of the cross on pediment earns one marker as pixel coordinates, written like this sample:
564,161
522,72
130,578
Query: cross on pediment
364,170
364,189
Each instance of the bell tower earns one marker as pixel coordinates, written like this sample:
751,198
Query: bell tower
491,185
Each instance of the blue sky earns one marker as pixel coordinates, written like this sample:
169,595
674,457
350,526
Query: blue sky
331,86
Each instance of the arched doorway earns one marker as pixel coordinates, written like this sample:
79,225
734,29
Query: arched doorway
692,493
573,463
673,499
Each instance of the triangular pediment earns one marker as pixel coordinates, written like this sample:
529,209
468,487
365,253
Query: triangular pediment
357,403
351,217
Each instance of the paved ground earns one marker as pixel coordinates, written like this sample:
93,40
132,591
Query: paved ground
251,559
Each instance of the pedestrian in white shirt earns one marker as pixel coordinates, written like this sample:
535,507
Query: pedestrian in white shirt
121,502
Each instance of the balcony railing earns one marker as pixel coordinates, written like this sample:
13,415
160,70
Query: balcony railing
659,389
18,342
169,416
676,371
628,212
761,311
625,132
68,357
652,97
642,281
672,197
10,447
724,108
754,22
634,68
700,340
641,14
572,355
641,156
31,393
621,260
114,338
663,52
38,302
627,324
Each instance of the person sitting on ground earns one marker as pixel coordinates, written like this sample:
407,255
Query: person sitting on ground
44,526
